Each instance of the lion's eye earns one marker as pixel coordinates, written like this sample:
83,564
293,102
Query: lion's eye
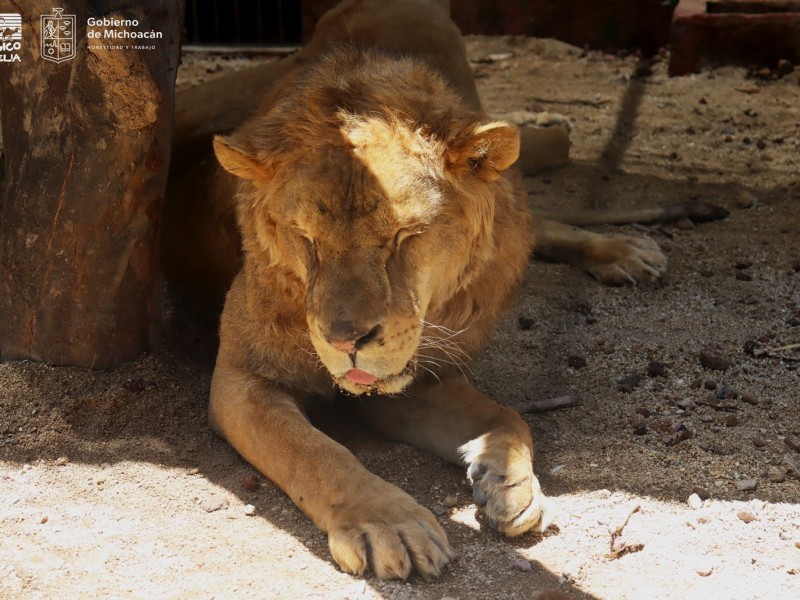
404,234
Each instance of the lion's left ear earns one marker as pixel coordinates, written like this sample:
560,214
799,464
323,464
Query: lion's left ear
486,151
236,158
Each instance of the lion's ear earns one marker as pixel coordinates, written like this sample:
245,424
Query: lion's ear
487,150
238,161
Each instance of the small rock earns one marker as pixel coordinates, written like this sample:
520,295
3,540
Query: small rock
746,485
727,393
61,461
639,424
759,442
644,411
731,421
43,520
450,501
710,385
791,443
784,68
250,510
685,224
764,73
749,399
703,493
576,362
715,362
525,323
193,471
745,516
704,568
629,383
215,503
685,404
695,502
522,565
251,483
438,510
499,57
656,369
777,477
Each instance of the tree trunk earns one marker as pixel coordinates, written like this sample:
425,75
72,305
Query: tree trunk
87,143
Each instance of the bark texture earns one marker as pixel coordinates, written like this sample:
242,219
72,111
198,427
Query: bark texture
86,145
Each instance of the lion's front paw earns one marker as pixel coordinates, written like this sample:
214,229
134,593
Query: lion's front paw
385,531
503,483
625,259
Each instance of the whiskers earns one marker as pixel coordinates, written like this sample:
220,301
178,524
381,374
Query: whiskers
438,349
308,349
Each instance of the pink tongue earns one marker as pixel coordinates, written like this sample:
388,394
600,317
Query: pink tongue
359,376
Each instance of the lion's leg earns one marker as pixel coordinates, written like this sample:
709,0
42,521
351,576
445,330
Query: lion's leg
457,422
613,260
371,524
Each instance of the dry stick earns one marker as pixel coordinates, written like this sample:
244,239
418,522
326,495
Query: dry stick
772,352
534,406
790,460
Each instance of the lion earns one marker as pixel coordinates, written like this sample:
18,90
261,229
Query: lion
370,230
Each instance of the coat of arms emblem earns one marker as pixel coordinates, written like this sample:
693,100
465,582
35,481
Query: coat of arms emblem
58,36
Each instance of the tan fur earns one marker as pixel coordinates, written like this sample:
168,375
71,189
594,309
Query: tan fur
382,236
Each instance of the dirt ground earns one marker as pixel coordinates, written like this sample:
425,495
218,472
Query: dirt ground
109,479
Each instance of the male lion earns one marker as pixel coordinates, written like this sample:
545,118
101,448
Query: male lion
382,234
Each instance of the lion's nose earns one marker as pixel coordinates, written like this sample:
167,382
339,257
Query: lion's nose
350,338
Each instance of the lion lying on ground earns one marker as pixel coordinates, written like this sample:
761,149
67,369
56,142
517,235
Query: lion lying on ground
382,236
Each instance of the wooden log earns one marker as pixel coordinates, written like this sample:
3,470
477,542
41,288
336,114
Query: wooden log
87,143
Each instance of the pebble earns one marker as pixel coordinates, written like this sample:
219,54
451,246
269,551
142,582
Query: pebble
251,483
749,399
731,421
639,424
777,477
704,568
525,323
522,565
746,485
784,67
745,516
629,383
576,362
759,442
685,404
695,502
438,510
61,461
656,369
450,501
215,503
250,510
703,493
745,199
710,385
715,362
685,224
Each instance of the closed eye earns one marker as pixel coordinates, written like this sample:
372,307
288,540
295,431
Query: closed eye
406,233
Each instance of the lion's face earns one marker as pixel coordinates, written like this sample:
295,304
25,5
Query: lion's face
380,219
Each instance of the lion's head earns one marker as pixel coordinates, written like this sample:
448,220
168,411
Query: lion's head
371,188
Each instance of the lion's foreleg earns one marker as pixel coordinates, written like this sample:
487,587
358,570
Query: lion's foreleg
613,260
371,524
457,422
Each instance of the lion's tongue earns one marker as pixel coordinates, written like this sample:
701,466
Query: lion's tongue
359,376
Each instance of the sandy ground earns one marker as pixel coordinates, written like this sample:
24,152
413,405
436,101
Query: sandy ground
109,479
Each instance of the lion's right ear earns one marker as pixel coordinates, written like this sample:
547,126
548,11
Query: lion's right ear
238,161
